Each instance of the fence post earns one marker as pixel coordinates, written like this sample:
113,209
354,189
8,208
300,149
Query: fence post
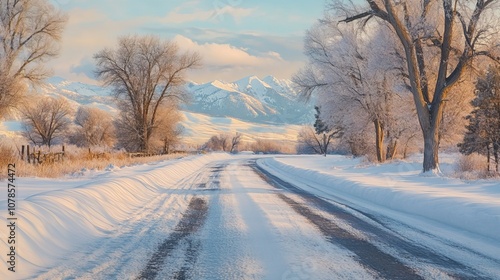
39,156
28,153
22,152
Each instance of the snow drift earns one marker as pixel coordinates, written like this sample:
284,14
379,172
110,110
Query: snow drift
55,222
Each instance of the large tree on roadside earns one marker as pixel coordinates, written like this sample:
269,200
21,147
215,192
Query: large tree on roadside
30,31
145,73
440,41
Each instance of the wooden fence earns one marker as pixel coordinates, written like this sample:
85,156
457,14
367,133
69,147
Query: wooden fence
31,155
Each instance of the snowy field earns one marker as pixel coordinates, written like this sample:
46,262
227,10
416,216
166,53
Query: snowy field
107,224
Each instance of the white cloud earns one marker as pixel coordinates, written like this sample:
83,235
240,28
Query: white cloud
229,63
185,13
88,31
236,13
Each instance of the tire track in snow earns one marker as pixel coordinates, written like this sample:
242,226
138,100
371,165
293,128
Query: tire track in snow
387,265
182,246
190,223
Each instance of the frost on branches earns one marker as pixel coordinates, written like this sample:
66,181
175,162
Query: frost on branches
439,42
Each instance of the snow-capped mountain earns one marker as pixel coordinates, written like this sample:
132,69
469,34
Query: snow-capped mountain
80,93
250,99
257,108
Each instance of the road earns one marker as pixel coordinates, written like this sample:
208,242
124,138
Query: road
238,221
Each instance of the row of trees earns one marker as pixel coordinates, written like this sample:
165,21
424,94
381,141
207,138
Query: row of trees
52,120
396,65
223,142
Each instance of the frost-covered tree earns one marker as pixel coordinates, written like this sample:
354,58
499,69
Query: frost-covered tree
30,31
168,132
307,141
94,128
441,40
225,142
218,143
146,74
483,131
46,120
354,73
235,142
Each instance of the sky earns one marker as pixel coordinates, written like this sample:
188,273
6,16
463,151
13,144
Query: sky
235,38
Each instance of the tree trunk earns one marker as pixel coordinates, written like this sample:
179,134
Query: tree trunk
379,133
325,144
144,137
431,149
488,156
392,150
495,154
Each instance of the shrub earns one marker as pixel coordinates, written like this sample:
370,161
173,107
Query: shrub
272,147
470,167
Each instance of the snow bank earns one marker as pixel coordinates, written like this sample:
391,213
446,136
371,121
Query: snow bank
473,207
53,222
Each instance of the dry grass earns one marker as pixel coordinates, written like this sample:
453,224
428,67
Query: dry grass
74,162
7,156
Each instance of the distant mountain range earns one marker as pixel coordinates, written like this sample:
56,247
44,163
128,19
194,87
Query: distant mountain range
250,99
259,109
269,100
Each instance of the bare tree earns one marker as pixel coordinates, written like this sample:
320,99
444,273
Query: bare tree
235,141
95,128
308,142
168,131
46,120
170,138
218,143
30,31
146,73
213,144
452,33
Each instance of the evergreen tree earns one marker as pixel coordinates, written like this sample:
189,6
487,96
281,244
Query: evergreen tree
483,131
319,125
324,133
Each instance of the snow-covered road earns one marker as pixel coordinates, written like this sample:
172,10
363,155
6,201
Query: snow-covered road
232,219
229,217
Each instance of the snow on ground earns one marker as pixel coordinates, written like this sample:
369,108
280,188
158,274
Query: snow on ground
57,216
112,209
464,208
